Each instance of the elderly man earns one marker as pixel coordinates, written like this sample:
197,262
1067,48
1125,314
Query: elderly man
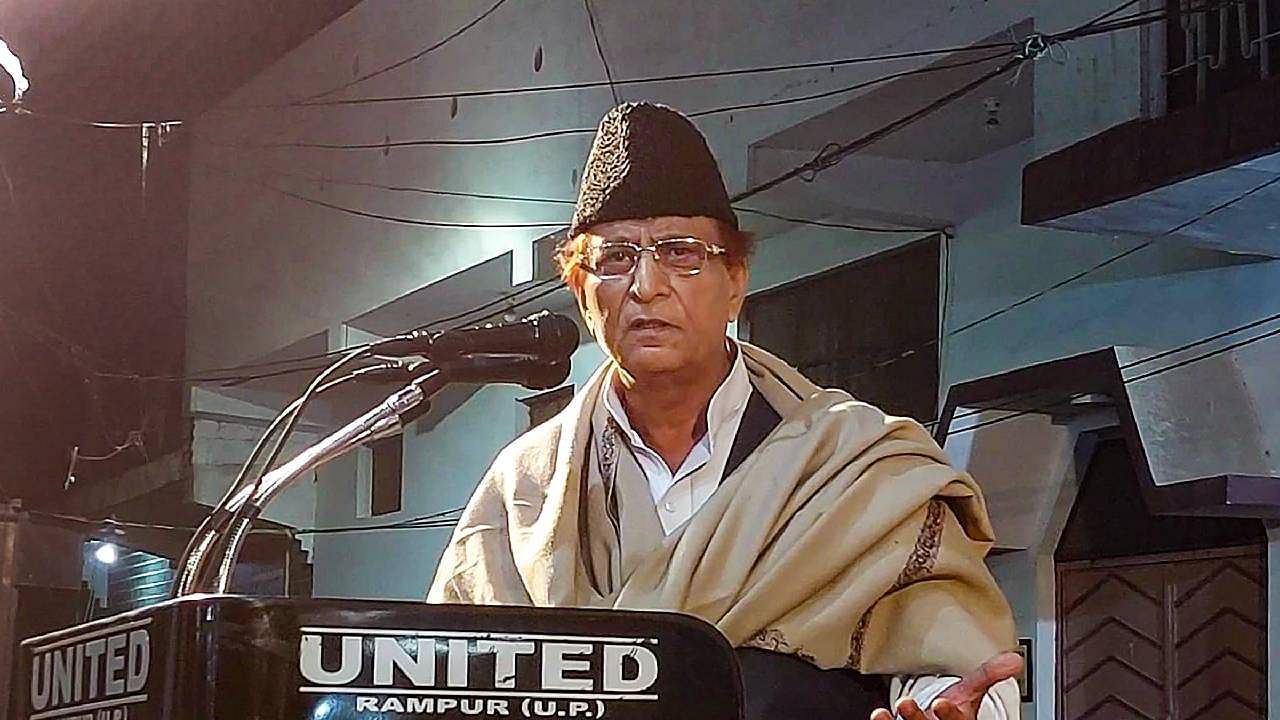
831,543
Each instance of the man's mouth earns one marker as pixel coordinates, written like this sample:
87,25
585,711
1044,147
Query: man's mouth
648,324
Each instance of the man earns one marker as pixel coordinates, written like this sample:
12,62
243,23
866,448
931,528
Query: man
829,542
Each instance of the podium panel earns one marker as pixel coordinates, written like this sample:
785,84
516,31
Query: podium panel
230,657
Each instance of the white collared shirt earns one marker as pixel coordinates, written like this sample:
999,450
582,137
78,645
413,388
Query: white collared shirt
678,495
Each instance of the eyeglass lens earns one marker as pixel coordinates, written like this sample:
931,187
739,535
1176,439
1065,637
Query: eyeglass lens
681,255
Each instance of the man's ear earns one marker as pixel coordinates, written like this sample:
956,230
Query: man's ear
739,278
583,312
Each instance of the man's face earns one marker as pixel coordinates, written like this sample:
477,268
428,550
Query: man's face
655,320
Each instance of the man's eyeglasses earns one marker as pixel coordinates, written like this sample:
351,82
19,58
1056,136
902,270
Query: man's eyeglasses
678,256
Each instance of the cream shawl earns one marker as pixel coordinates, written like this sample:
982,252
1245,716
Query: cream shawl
845,538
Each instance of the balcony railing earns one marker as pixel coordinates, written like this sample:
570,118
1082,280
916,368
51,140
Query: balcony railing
1216,46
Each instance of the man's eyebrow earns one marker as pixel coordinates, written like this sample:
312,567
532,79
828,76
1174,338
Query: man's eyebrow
657,237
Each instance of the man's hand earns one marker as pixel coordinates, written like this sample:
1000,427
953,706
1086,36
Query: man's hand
962,700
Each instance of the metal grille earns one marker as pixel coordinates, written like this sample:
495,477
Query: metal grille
1214,47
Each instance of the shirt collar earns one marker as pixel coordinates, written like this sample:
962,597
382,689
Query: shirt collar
727,400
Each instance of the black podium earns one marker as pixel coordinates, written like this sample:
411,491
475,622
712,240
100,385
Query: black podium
223,657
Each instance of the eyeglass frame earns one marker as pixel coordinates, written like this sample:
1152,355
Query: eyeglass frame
711,250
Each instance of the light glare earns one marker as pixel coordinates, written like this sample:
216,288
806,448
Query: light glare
106,554
12,65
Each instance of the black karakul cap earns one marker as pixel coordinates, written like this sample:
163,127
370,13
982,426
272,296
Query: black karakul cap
648,160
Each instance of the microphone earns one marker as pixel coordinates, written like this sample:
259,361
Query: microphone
531,372
545,336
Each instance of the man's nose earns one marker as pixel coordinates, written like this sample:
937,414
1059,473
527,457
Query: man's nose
649,280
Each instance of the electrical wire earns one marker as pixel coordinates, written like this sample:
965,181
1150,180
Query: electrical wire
134,440
553,282
863,85
1106,15
22,109
379,216
1212,353
246,372
324,180
396,144
551,285
1202,341
1140,19
556,201
1114,258
656,79
412,58
836,225
1162,354
412,221
595,35
441,519
1093,27
834,153
548,287
583,131
1089,29
1127,381
213,375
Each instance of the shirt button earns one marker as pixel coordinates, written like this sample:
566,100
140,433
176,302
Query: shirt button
669,506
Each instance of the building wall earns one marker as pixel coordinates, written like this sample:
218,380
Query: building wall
1158,298
269,270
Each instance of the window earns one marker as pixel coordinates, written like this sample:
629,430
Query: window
869,327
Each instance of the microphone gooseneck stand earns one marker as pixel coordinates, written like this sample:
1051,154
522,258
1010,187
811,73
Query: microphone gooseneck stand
380,422
209,560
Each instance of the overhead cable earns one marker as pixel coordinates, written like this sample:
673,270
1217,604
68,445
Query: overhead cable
412,58
585,131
